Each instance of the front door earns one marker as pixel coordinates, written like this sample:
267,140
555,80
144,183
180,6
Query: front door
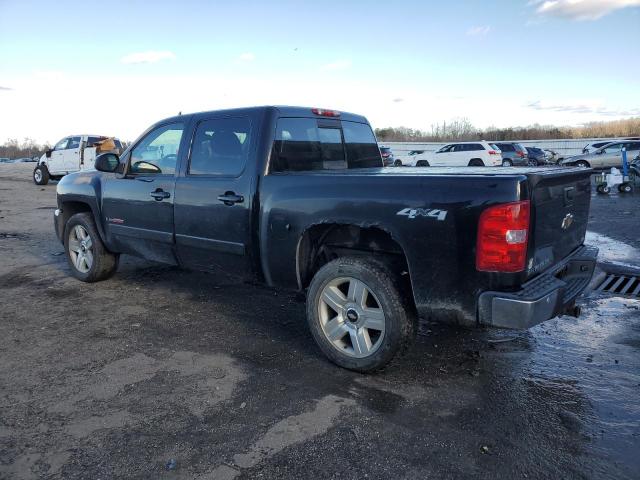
138,208
72,155
611,156
212,206
55,163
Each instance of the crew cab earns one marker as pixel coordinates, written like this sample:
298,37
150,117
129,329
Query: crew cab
72,154
297,198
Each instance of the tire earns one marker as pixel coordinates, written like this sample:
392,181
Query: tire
507,163
532,163
476,162
100,264
422,163
41,175
583,164
397,163
385,308
625,188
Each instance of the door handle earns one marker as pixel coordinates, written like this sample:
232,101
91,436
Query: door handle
160,194
230,198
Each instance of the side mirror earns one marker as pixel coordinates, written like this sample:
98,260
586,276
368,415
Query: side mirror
48,153
107,162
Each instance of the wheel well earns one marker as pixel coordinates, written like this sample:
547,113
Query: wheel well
322,243
581,161
476,162
69,209
422,163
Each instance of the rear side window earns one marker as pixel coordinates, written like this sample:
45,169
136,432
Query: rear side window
220,147
506,147
302,144
362,148
474,147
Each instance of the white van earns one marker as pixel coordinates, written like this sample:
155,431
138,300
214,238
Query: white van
71,154
462,154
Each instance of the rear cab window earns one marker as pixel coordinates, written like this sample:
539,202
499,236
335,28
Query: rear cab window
303,144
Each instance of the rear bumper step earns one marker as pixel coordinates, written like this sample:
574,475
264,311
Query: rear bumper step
543,298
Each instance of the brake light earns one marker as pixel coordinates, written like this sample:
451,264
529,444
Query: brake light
493,152
325,113
520,154
503,231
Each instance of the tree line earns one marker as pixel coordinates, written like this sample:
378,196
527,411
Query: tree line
462,130
28,147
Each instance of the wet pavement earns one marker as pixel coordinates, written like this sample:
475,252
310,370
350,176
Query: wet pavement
163,373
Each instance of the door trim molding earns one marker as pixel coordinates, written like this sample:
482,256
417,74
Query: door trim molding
223,246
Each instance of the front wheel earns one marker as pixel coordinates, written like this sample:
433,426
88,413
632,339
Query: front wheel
583,164
41,175
87,256
358,315
397,163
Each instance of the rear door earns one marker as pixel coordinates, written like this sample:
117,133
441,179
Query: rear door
213,198
138,208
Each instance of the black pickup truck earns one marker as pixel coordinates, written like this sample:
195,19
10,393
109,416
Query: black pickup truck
298,198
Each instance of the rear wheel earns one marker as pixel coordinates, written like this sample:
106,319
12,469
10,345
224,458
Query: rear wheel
397,163
625,188
603,189
87,257
532,163
507,163
422,163
476,162
358,315
41,175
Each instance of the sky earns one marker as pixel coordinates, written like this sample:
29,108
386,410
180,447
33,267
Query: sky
114,68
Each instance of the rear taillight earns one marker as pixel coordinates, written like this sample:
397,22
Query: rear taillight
503,231
493,152
520,154
325,113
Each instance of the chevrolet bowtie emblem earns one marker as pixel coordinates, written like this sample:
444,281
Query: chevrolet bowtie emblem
567,221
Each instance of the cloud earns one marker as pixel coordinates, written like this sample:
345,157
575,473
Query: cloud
338,65
581,10
151,56
479,30
246,57
583,108
5,88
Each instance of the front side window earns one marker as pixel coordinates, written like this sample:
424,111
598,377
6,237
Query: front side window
74,142
220,147
616,147
157,153
62,144
444,149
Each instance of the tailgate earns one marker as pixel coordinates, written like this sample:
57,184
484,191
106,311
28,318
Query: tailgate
560,213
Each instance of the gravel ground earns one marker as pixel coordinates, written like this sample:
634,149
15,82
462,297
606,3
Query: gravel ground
164,373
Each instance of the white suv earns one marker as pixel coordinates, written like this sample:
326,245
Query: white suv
463,154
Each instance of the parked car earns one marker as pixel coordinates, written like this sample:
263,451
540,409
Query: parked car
536,155
408,160
72,154
592,147
607,156
5,160
296,198
24,160
513,154
462,154
552,157
387,157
